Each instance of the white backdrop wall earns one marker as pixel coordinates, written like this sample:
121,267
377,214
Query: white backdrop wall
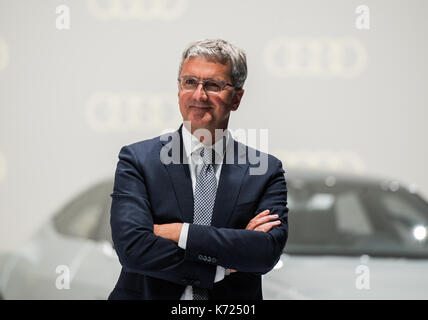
333,96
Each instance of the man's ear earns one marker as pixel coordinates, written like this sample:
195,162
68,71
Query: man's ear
237,99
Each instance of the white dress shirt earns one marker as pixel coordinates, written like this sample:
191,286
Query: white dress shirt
191,146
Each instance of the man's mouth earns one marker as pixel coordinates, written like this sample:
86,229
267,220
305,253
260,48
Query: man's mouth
200,107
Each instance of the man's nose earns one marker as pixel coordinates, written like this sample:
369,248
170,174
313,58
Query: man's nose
200,94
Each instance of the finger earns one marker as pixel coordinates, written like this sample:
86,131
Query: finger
262,214
253,222
265,219
268,226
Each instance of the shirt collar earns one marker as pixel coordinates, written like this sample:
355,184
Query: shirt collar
192,144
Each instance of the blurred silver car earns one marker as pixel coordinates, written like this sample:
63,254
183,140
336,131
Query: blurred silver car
350,237
69,257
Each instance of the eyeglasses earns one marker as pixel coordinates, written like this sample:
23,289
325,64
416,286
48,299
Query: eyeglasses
210,86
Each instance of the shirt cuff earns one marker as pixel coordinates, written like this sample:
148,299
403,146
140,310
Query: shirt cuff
183,236
220,273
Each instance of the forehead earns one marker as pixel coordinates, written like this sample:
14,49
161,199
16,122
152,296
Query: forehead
204,69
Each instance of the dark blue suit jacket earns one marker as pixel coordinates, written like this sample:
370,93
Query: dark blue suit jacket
147,191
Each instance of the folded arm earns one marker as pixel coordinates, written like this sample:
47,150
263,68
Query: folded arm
177,232
246,250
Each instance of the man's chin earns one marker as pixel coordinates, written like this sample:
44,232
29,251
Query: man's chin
200,123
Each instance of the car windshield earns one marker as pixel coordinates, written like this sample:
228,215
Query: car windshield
356,219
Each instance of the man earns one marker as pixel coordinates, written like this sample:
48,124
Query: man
189,219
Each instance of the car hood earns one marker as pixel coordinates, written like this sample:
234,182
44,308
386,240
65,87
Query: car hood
329,277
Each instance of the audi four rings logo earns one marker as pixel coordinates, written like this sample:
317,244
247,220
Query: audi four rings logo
126,112
315,57
2,167
137,9
4,54
340,160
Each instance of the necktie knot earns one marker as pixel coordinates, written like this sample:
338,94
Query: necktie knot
207,155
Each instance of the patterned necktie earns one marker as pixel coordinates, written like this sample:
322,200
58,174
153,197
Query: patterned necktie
204,198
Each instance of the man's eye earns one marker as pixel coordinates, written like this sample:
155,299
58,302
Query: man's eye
190,82
212,86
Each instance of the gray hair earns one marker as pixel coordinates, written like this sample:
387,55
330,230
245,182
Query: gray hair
220,51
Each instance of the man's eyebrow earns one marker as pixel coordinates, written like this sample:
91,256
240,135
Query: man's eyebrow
210,78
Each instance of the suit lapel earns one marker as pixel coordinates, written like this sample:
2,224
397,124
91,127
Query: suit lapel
230,182
179,174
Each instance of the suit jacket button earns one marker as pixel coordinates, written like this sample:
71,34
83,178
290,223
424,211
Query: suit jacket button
213,260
